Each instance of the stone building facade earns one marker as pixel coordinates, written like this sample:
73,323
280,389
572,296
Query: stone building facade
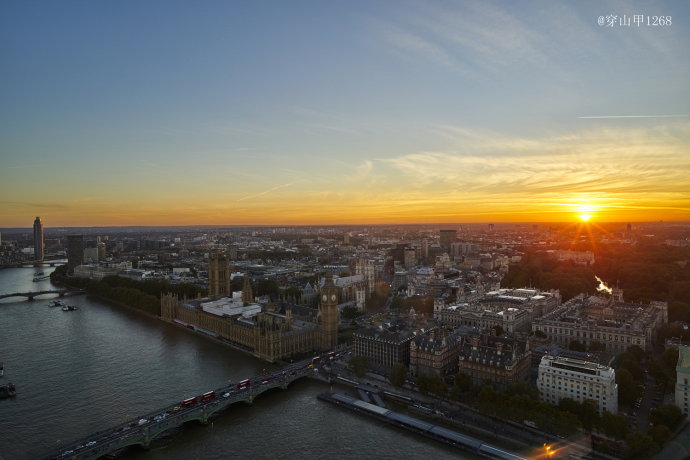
610,321
474,315
499,360
578,380
434,354
260,330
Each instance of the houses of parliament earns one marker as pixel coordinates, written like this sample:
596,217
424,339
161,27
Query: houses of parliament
257,329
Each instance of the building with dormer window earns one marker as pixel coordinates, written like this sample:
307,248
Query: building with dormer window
499,360
434,354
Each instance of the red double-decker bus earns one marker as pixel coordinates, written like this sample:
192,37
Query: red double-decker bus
208,396
188,402
242,384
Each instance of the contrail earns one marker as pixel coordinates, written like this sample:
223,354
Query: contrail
638,116
272,189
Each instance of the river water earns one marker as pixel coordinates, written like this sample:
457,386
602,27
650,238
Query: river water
84,371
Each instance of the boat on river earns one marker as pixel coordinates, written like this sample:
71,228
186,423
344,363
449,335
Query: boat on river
7,391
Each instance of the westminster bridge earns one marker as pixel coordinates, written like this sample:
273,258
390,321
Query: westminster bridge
142,430
32,294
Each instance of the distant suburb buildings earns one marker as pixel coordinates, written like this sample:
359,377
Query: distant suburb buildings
578,380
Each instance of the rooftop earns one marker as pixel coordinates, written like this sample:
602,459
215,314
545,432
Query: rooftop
573,362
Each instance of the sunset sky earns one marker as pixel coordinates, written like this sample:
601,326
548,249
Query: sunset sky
311,112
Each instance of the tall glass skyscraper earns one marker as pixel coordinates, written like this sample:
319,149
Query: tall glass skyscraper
38,239
75,252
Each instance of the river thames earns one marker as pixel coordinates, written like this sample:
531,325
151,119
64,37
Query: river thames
84,371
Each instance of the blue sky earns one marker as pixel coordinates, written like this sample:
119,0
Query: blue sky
158,112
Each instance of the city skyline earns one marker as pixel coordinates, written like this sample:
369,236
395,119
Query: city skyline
308,114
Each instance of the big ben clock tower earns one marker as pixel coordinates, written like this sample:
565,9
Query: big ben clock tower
328,315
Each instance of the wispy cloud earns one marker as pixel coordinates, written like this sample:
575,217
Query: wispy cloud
33,205
626,166
474,39
265,192
637,116
411,45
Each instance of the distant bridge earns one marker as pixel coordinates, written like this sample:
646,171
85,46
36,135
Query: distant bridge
31,295
143,429
35,263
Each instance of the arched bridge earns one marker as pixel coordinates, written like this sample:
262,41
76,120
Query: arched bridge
37,263
31,295
143,429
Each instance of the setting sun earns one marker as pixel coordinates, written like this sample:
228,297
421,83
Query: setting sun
585,217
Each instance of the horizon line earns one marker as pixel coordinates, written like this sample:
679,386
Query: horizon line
360,224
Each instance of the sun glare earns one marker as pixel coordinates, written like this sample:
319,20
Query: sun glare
585,217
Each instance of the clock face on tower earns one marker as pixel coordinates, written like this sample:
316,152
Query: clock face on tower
325,297
333,297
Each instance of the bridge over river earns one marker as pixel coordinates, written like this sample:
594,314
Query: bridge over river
143,429
31,295
35,263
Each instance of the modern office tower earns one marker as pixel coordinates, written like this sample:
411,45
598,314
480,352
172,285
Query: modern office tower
561,377
425,250
38,239
409,257
75,252
383,348
448,237
218,273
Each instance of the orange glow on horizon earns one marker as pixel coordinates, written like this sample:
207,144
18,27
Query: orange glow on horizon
356,208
